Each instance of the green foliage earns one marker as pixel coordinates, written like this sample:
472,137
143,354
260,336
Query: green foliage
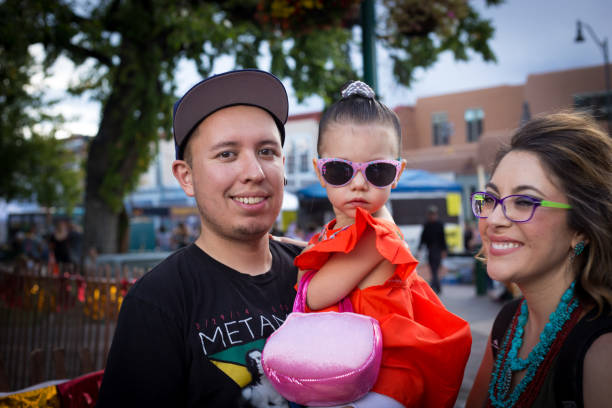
33,166
418,31
314,68
56,177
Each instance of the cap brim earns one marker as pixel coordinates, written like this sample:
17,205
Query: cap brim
244,87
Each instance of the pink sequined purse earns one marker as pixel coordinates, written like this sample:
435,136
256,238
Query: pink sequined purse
323,359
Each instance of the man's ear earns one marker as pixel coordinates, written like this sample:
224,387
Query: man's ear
316,169
399,174
184,175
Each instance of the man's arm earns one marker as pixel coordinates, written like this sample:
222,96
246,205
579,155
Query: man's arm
145,363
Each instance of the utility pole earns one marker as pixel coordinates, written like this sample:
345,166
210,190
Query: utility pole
368,34
603,44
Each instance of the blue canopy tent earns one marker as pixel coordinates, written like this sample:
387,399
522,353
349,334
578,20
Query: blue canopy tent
424,181
411,181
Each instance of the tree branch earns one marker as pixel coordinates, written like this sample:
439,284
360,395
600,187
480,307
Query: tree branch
79,51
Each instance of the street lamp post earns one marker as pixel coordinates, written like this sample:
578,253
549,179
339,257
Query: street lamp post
604,48
368,36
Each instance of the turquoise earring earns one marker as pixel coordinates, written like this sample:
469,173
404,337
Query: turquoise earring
578,249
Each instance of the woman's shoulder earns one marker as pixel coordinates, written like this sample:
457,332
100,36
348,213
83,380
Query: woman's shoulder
585,359
597,375
595,332
601,348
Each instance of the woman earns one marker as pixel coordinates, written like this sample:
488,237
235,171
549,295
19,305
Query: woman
546,224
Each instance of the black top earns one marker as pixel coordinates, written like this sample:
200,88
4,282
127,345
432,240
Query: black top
61,249
433,237
190,333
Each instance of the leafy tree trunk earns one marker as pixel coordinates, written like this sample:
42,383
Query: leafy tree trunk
101,225
102,220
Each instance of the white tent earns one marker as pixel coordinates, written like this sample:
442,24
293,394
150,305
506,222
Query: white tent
290,202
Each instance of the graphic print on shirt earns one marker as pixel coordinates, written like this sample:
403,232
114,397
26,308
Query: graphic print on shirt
260,393
234,346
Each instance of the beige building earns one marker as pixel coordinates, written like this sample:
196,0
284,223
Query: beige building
459,132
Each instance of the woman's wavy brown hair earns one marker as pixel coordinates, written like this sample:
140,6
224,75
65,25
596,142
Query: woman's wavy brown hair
579,153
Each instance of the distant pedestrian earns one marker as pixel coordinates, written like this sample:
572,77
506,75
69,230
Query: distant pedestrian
60,240
180,236
294,232
434,239
470,238
90,262
163,239
33,245
75,241
311,230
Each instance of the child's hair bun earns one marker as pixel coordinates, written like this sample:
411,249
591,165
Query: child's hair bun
358,88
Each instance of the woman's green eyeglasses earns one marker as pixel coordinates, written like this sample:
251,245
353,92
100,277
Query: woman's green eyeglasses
516,207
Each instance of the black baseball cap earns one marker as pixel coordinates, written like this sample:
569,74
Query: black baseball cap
242,87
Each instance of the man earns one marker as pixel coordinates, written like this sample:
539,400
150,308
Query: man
434,239
187,328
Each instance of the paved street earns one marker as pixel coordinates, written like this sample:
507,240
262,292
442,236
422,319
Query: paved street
480,312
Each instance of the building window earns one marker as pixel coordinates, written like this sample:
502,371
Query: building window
594,103
304,161
440,128
473,122
290,163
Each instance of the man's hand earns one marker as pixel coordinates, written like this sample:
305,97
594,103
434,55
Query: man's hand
287,240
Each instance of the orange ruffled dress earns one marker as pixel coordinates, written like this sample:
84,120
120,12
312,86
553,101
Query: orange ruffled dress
425,347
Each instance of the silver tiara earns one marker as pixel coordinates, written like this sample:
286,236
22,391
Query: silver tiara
358,88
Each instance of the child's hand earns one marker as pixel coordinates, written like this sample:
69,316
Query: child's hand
383,214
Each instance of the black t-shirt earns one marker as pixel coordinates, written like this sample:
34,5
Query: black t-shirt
190,333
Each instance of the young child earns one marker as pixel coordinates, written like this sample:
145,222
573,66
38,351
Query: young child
425,347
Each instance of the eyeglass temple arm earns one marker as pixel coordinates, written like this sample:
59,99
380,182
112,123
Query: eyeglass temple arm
545,203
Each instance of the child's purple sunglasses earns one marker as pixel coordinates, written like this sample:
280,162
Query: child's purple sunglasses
340,172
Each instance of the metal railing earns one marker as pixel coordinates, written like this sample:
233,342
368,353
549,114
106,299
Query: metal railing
57,321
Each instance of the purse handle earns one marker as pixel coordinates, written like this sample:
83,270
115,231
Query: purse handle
299,304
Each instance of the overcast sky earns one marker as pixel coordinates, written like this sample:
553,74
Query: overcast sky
532,36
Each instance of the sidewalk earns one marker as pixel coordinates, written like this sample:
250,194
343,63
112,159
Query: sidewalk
479,311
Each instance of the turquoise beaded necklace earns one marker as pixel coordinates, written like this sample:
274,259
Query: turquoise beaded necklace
505,365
